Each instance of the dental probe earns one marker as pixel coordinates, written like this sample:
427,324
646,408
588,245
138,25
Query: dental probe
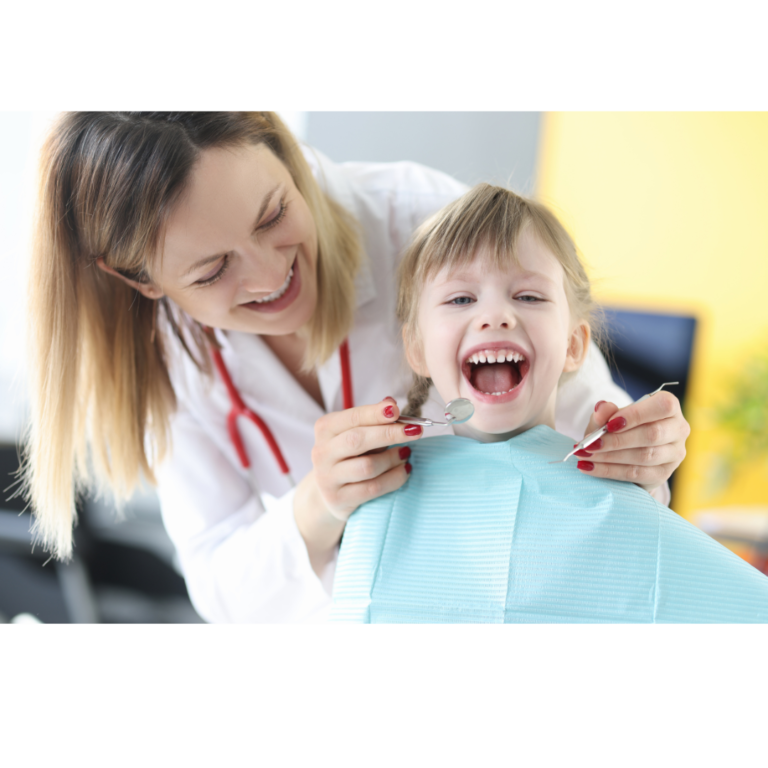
456,412
598,433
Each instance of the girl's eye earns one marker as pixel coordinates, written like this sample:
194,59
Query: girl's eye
461,300
529,299
216,275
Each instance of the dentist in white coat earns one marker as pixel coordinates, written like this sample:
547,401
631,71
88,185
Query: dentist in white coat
245,227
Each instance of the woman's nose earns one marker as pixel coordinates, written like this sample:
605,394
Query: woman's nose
263,270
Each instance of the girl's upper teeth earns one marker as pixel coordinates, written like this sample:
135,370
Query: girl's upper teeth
279,292
496,356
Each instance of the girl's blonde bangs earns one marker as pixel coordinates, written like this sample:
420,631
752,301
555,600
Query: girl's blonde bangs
490,218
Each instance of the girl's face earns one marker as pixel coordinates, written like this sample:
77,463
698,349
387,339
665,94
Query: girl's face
501,339
240,249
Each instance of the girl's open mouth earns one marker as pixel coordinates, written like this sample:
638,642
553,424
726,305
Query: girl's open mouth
496,374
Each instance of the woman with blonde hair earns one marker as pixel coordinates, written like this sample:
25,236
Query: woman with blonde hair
192,267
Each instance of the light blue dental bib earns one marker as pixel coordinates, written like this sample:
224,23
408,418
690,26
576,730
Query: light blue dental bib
491,532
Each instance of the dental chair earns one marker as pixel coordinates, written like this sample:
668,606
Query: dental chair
121,571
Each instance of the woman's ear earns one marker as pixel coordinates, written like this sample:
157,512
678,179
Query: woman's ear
577,347
150,290
413,353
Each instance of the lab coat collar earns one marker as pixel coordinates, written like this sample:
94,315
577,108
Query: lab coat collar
262,379
256,369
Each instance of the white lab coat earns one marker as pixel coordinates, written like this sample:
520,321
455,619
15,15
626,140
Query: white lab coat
242,563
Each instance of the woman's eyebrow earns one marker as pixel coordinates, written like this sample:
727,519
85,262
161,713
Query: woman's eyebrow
262,210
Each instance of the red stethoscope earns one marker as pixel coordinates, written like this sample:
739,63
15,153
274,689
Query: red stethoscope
239,408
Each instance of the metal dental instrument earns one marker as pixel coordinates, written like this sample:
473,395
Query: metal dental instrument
456,412
598,433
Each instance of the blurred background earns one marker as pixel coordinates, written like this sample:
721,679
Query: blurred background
668,210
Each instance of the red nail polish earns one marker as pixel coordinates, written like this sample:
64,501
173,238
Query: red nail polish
583,453
413,429
614,425
389,411
408,468
596,446
588,466
390,398
404,452
599,403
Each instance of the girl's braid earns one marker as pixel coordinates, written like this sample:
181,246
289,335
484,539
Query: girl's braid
417,395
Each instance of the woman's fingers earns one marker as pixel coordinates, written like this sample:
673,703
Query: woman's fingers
373,428
647,477
646,455
361,440
655,421
662,406
352,459
362,468
352,495
644,444
333,424
603,411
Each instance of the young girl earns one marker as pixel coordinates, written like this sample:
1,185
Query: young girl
496,308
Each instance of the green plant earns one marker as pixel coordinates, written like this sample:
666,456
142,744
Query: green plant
745,415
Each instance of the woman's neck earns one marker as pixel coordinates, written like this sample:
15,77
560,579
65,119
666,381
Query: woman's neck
290,350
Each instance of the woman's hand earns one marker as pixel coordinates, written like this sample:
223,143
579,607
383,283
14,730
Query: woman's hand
644,445
352,464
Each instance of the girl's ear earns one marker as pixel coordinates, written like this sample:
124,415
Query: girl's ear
150,290
577,347
413,353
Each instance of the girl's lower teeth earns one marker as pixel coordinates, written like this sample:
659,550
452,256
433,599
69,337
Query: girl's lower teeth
278,293
500,393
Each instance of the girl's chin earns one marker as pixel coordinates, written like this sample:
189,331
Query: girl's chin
489,433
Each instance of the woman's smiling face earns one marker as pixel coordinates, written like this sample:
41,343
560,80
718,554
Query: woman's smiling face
240,248
500,338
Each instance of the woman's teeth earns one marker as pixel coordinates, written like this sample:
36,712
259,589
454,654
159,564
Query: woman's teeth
495,356
278,293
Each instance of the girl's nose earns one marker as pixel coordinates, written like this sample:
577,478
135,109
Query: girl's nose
497,316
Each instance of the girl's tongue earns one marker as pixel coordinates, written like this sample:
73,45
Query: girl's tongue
494,377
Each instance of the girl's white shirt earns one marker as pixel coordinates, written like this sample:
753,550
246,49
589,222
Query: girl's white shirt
245,561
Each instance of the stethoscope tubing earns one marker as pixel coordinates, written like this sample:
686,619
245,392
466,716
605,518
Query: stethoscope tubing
239,408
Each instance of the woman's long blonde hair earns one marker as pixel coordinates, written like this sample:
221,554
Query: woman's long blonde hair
98,371
491,217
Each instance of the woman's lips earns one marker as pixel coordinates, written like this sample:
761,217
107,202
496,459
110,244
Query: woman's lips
285,300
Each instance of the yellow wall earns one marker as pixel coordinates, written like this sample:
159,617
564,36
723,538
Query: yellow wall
671,213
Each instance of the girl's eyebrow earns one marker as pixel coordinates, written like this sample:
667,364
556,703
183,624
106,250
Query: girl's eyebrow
467,277
262,210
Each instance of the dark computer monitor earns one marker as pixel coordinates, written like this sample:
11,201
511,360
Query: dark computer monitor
645,349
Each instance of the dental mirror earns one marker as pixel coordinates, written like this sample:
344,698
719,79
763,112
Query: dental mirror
459,410
456,412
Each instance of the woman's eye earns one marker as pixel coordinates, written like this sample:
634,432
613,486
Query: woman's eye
216,275
461,300
275,217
